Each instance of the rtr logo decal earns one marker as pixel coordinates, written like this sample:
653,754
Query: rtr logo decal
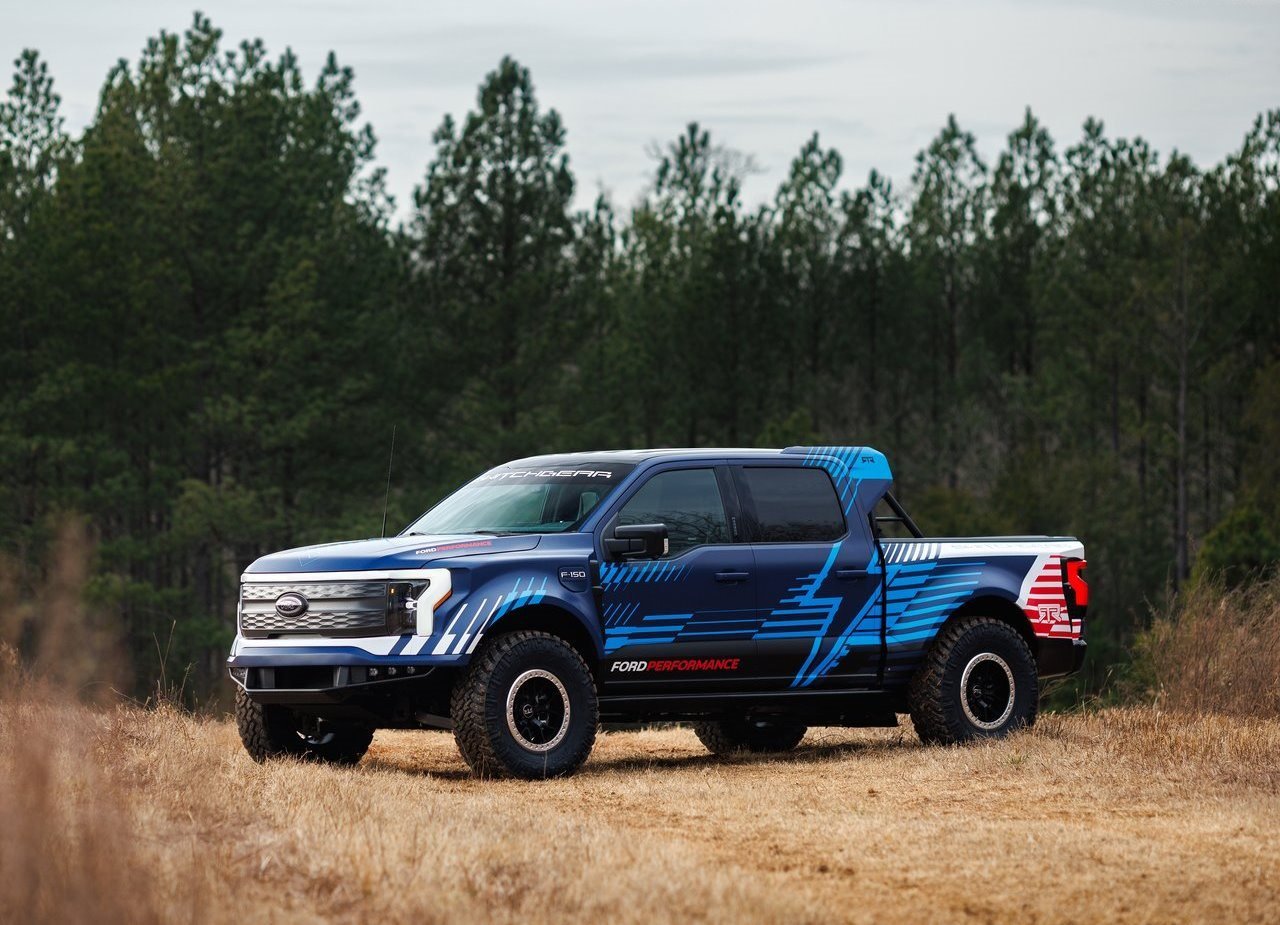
1049,613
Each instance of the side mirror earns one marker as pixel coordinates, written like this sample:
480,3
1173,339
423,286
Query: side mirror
638,541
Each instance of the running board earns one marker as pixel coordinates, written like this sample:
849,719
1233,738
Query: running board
851,708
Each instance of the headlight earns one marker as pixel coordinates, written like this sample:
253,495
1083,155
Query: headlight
402,604
412,603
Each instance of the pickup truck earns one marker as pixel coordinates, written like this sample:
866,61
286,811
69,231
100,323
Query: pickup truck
753,593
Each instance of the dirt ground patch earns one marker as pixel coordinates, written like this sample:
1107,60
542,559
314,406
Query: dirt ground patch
1120,816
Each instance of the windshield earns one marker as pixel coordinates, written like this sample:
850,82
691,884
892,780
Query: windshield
506,500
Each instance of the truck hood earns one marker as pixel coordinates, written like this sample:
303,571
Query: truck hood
392,552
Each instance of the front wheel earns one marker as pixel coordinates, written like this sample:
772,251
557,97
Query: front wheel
525,707
744,734
269,730
978,681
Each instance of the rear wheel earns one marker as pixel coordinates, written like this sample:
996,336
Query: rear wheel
746,734
269,730
525,707
978,681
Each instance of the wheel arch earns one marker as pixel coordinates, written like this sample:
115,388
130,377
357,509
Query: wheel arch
998,608
935,709
556,620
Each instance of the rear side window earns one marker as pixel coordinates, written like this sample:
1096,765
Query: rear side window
792,505
687,501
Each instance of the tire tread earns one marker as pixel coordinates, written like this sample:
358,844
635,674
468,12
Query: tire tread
264,735
928,707
721,738
467,706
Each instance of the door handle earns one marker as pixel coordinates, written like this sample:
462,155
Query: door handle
732,576
849,574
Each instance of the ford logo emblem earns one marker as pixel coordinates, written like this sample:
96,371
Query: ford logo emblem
291,604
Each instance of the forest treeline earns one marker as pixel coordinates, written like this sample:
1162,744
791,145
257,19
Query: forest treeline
213,320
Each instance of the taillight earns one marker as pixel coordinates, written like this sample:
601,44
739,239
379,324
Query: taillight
1075,588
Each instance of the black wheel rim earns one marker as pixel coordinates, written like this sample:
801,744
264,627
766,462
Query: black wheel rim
987,691
538,710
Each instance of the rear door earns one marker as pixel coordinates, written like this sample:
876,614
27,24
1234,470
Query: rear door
684,621
817,597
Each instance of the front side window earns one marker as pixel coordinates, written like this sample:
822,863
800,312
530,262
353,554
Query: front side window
792,504
687,501
547,499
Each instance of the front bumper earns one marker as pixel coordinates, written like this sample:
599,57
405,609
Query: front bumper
311,683
324,670
364,650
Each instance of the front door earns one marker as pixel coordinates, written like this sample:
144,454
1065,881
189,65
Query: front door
816,581
684,621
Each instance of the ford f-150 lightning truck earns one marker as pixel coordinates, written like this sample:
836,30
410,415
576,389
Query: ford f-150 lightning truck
753,593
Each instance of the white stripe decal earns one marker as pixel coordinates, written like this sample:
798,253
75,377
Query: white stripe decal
374,645
479,629
903,551
1029,579
447,636
397,573
1033,547
467,635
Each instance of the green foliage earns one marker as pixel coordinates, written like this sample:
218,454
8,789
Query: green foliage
197,276
491,243
1246,542
1261,479
1243,545
212,328
955,512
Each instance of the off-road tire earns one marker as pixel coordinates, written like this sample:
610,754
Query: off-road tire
940,709
484,720
743,734
269,730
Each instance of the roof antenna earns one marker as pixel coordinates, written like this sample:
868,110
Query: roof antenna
387,498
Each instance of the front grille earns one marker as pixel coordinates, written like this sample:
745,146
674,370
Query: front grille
347,608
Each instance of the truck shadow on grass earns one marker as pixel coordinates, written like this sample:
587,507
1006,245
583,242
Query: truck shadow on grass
638,760
809,753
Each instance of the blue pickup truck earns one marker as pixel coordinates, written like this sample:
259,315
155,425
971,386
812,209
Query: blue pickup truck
752,593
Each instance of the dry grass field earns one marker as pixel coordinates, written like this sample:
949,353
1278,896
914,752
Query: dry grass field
1126,815
1146,814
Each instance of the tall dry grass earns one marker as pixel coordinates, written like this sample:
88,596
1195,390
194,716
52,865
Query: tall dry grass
70,850
1215,650
68,845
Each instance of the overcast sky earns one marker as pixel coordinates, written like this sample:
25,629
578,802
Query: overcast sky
876,79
